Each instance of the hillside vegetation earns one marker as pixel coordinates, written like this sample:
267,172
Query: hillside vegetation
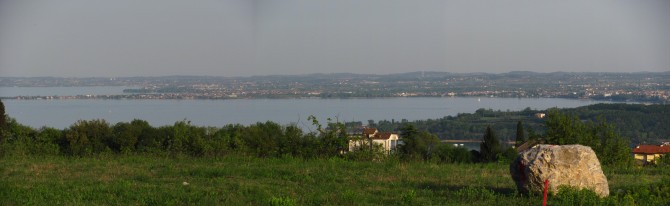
636,122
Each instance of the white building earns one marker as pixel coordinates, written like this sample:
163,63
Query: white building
387,140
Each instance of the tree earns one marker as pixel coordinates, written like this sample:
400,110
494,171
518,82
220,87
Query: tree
87,137
520,135
447,153
613,149
125,137
149,138
409,146
417,145
19,139
3,122
334,140
490,146
566,129
231,137
264,139
47,141
184,138
610,148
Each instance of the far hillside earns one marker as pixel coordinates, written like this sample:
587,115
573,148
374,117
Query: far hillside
640,123
637,122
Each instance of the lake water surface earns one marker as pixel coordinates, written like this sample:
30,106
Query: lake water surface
62,113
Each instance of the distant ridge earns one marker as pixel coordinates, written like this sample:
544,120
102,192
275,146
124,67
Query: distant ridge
347,75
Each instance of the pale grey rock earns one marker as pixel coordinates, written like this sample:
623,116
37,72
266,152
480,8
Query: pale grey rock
572,165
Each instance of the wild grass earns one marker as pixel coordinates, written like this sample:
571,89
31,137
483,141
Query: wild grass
240,180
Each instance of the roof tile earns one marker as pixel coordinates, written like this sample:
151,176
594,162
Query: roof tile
382,135
651,149
369,131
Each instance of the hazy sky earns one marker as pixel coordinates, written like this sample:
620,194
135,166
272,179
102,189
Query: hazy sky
76,38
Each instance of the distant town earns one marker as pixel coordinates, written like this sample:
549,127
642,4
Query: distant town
645,87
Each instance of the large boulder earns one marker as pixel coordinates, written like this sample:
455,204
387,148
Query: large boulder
571,165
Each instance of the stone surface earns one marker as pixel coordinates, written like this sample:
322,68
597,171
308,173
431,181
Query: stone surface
571,165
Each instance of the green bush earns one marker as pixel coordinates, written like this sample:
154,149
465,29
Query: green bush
571,196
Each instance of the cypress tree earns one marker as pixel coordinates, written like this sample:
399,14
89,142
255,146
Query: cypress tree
520,135
490,146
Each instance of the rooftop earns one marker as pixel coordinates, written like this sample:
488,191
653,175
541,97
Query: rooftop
369,131
383,135
651,149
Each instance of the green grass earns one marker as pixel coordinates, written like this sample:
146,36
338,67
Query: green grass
237,180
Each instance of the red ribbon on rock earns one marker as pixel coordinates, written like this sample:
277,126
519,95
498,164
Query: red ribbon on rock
546,187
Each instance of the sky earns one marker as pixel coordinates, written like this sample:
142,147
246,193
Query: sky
121,38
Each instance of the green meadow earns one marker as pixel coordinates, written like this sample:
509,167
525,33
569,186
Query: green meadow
243,180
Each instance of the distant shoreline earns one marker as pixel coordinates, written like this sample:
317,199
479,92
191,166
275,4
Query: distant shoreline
642,87
168,97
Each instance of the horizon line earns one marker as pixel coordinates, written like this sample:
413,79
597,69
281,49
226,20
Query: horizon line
338,73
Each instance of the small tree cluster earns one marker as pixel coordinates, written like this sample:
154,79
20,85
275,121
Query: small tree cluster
610,148
424,146
416,145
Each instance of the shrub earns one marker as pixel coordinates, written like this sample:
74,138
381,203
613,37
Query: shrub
87,137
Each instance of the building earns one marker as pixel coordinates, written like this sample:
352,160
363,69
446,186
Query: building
647,154
387,140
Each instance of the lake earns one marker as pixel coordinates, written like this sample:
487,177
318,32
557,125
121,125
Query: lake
62,113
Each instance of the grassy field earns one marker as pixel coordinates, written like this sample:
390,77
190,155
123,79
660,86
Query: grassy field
236,180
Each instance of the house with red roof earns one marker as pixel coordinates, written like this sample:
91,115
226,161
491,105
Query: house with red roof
649,153
387,140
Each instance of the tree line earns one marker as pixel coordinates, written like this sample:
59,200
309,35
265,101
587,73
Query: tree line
92,137
264,139
270,139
